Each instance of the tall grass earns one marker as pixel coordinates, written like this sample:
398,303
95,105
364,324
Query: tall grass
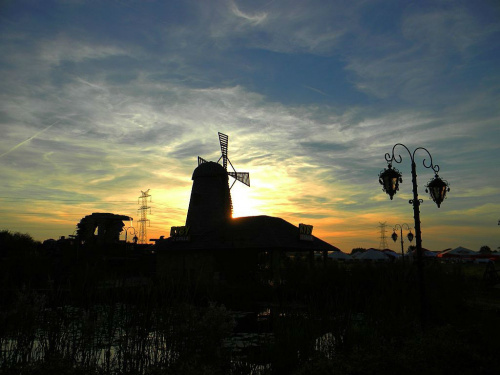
333,318
111,338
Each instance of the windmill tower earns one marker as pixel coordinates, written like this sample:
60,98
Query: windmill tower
210,204
143,212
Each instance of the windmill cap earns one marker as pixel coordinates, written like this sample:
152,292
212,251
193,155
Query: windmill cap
209,169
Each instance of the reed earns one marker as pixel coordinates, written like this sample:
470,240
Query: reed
332,318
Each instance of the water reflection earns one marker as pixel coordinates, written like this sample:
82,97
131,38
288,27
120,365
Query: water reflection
125,338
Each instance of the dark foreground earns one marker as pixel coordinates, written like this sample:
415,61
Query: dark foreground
324,319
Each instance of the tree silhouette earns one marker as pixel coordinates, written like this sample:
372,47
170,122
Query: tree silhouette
485,250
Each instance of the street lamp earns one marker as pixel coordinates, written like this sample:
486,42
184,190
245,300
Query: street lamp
390,178
394,236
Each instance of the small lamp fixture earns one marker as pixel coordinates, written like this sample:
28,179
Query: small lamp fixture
390,178
437,189
394,236
410,236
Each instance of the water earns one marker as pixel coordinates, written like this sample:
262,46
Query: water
126,338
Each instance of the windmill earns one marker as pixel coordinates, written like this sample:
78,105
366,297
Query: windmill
210,204
243,177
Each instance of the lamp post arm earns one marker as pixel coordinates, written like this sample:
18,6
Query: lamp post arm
430,165
396,157
392,157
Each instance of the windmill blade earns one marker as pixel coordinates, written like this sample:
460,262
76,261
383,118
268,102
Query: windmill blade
201,160
223,140
243,177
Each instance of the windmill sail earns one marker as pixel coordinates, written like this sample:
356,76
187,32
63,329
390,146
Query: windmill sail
243,177
223,140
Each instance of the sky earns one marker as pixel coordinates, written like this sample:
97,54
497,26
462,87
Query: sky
101,100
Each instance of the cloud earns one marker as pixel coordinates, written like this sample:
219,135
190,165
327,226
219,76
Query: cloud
443,31
64,48
407,64
132,109
254,19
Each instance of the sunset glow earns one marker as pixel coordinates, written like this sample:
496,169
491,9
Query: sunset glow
103,100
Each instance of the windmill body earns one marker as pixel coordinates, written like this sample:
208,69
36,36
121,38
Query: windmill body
210,203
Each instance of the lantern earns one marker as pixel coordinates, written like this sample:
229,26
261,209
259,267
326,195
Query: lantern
437,189
410,236
390,178
394,237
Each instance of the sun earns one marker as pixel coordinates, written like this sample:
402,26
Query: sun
243,203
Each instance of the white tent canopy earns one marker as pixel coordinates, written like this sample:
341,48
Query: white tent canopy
372,254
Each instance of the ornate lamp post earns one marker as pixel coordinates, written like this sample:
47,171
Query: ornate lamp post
390,178
394,236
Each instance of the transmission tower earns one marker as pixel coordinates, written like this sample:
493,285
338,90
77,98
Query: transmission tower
383,239
144,222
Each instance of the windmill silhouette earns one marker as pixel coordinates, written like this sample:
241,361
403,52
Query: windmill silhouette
211,204
243,177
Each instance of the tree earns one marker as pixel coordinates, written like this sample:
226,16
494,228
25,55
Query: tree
17,244
485,250
358,250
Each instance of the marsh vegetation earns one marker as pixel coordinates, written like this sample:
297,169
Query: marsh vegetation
322,319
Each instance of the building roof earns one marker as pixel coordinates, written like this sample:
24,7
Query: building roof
252,232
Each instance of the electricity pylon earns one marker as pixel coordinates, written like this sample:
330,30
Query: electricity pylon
144,222
383,239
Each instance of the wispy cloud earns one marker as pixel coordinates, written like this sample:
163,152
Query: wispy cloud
253,19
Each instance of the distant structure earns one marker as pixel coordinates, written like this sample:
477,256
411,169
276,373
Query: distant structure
383,238
144,222
211,204
100,228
